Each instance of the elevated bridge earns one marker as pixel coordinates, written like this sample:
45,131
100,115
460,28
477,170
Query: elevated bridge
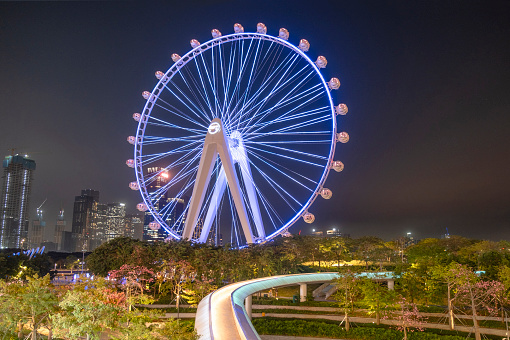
226,312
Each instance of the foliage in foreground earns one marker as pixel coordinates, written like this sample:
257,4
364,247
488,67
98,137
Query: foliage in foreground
316,328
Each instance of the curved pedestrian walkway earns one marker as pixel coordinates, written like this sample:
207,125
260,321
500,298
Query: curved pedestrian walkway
222,314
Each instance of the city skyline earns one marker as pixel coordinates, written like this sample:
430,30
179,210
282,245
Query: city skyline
425,85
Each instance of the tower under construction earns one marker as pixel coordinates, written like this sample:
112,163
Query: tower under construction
14,203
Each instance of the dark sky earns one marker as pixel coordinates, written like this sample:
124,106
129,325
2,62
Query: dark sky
427,84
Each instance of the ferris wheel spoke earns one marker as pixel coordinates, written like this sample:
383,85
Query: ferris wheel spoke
289,116
253,102
199,111
203,85
175,127
182,174
242,69
214,108
278,188
151,158
283,80
188,159
171,109
149,140
227,82
228,95
277,169
248,88
286,142
295,129
253,74
288,170
254,149
214,85
196,91
304,97
182,114
282,67
268,206
259,114
178,150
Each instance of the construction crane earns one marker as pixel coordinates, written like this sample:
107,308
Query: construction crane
39,211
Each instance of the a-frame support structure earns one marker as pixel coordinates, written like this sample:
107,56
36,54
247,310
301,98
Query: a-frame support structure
216,144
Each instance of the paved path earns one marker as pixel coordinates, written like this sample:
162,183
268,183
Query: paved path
284,337
339,318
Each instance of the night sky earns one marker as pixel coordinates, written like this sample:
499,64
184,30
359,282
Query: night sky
427,84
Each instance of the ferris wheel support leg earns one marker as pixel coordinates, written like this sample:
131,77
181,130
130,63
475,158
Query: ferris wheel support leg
209,155
219,189
252,197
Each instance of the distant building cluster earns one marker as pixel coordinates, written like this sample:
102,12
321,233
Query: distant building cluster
93,223
171,209
329,233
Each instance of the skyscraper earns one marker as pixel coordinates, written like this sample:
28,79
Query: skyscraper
84,219
37,230
134,226
157,178
60,230
115,220
14,203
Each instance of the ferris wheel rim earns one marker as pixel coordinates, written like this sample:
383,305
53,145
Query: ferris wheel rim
182,62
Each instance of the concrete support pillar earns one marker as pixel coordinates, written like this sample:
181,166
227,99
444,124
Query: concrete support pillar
302,292
247,305
391,284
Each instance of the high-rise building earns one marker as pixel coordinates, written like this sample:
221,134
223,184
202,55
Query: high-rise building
115,220
98,235
14,203
84,220
60,229
134,226
37,230
157,178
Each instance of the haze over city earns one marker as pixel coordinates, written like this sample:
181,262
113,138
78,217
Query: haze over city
426,84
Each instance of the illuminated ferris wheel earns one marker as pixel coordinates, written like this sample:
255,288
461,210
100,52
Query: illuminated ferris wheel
239,136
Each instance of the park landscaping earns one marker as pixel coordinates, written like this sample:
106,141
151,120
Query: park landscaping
466,281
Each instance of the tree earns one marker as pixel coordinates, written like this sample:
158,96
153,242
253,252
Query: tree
470,292
454,275
481,295
376,297
134,281
369,249
120,251
196,290
409,317
348,292
504,278
31,302
88,312
173,329
173,276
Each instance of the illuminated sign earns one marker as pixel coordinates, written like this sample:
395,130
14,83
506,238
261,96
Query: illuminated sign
214,128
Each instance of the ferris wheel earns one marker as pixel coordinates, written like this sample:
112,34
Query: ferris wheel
237,139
